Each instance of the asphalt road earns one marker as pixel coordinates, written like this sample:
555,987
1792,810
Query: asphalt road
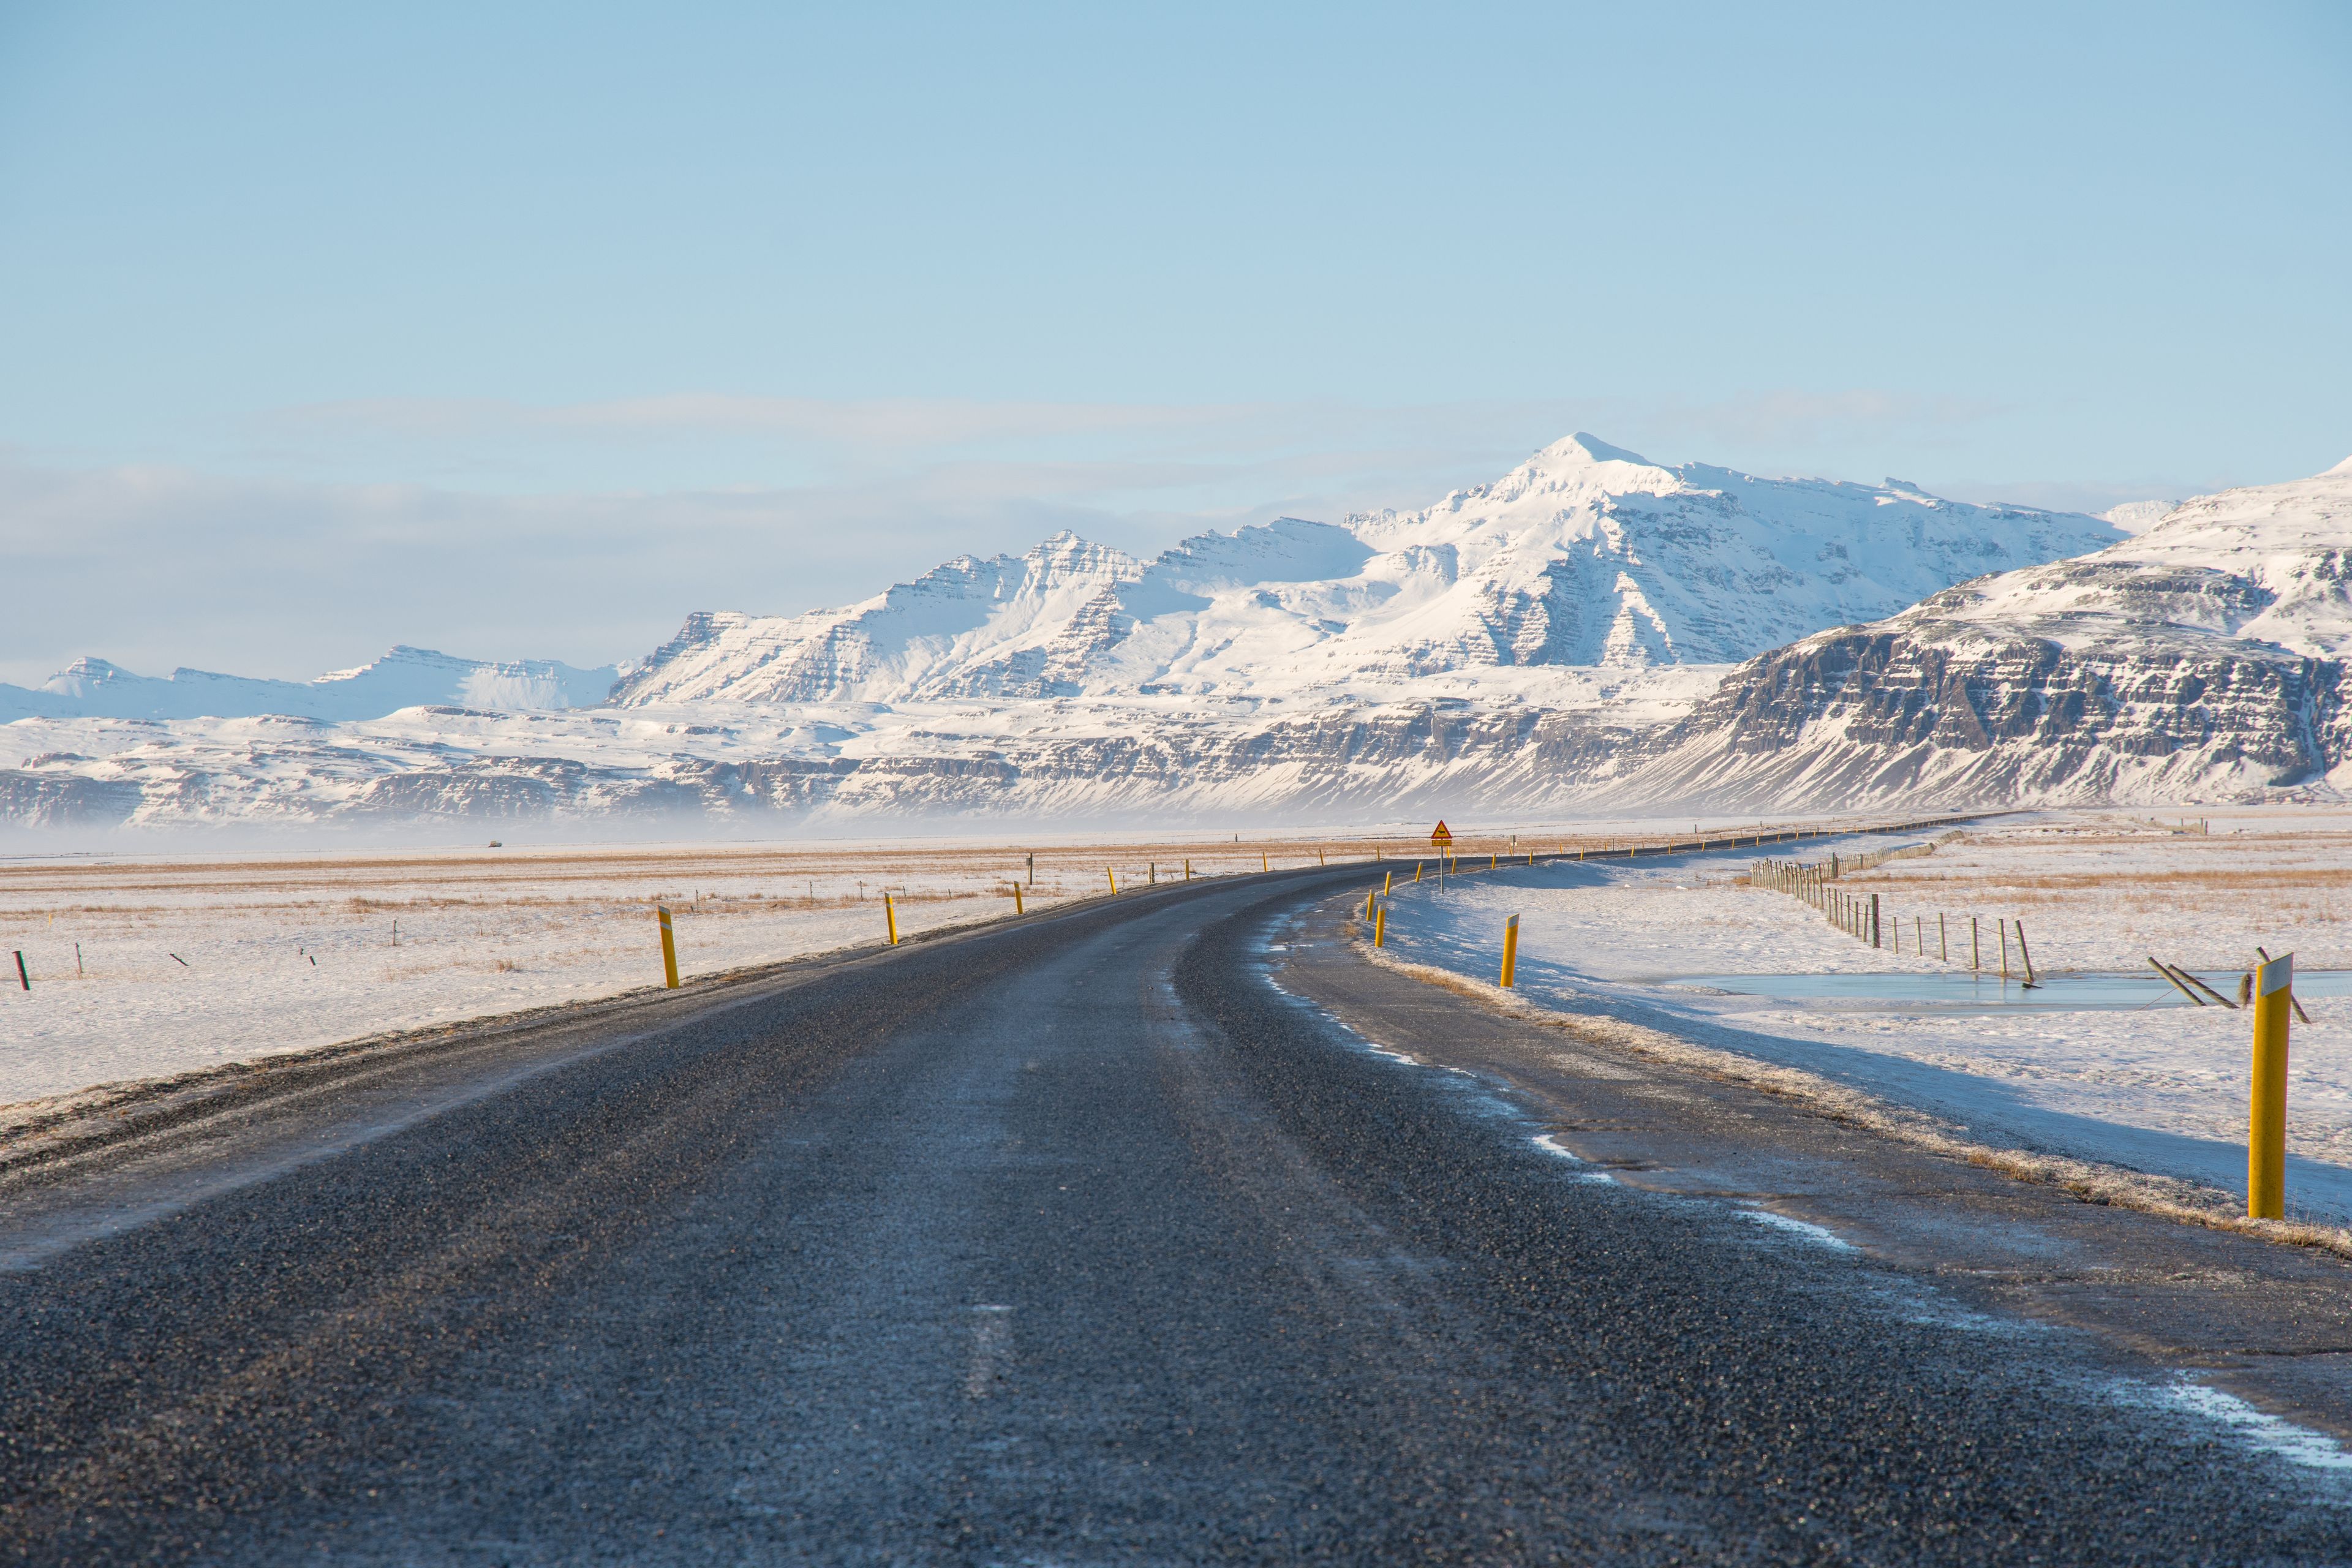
1085,1241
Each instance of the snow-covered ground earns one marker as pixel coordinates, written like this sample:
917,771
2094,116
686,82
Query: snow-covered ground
186,961
2160,1088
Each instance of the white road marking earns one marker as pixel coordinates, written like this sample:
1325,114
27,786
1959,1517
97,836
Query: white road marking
991,1350
2269,1434
1821,1234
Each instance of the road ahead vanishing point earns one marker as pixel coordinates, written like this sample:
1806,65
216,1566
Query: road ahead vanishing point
1164,1230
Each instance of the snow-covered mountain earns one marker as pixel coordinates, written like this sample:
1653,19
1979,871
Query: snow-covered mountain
1584,555
2205,658
404,678
1516,647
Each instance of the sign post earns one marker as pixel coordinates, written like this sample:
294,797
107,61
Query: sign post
2266,1129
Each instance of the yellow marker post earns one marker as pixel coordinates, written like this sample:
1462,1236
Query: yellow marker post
2267,1127
1368,904
1381,926
1114,878
1017,900
1416,870
1510,950
669,949
890,913
1262,863
1492,861
1188,870
1388,883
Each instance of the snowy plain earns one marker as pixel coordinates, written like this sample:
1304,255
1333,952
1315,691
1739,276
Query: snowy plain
2159,1086
150,965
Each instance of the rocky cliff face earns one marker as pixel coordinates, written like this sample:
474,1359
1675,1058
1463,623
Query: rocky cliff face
2203,659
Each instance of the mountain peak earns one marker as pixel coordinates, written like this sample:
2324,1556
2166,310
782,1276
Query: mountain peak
1583,449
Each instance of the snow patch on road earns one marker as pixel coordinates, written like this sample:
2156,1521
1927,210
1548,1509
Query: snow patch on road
2253,1429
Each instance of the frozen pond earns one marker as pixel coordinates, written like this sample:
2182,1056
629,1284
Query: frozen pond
1963,991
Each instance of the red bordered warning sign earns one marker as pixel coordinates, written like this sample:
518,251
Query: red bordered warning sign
1444,836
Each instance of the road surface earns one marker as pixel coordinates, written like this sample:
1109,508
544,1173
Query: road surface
1123,1235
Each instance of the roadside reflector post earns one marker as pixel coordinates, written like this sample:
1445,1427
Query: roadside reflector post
1262,863
1381,926
1416,870
1388,883
890,914
2266,1132
1017,900
1510,950
1368,904
669,948
1032,871
1188,870
1114,878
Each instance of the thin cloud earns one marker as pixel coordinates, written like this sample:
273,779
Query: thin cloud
308,564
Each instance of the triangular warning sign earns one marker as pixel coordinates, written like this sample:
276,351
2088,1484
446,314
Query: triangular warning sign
1444,836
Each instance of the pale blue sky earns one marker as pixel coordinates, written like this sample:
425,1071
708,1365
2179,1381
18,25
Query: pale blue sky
528,329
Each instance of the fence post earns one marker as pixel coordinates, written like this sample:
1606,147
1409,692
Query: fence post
669,950
2266,1122
1510,950
1873,920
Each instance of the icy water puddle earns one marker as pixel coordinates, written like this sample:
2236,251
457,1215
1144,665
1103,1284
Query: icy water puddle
1963,991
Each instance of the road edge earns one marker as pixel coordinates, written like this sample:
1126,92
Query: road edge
2089,1181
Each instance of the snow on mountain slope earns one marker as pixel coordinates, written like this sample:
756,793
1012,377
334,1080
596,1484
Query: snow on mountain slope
1011,626
404,678
2204,658
1584,555
1513,647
